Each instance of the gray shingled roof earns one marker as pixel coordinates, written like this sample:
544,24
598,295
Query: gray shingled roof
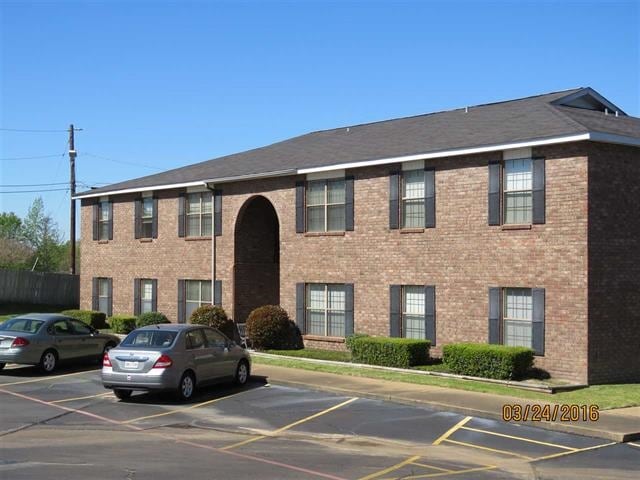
524,119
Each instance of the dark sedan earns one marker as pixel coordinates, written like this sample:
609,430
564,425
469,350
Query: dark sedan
45,339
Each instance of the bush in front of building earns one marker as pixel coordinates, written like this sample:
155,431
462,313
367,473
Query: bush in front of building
122,323
214,316
151,318
270,328
90,317
485,360
389,352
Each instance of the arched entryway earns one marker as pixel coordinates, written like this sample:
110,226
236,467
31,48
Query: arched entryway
257,258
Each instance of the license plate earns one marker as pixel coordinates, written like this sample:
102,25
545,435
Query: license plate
130,364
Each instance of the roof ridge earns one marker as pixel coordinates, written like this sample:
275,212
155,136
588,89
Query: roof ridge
554,109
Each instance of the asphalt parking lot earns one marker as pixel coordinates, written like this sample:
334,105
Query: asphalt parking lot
67,426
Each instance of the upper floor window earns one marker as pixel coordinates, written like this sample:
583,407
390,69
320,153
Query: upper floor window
103,220
325,204
413,199
199,214
147,217
518,191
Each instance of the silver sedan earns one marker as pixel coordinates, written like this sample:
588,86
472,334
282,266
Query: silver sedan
45,339
175,358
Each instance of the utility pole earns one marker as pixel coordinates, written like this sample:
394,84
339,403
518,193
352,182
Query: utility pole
72,189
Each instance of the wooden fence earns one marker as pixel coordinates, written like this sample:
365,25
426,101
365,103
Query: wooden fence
23,286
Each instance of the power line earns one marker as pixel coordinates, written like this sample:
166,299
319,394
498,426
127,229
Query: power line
31,158
22,130
121,161
37,191
34,184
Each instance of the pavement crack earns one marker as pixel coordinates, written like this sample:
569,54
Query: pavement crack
33,424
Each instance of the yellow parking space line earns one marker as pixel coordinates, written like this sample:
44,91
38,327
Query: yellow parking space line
564,454
82,398
291,425
453,472
523,439
495,450
185,409
431,466
390,469
449,432
42,379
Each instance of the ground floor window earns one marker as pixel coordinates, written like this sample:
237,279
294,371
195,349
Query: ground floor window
198,293
325,309
102,295
413,300
517,317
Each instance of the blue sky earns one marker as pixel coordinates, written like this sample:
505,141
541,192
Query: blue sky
157,85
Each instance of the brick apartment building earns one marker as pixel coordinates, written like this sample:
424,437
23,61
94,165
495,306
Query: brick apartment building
514,222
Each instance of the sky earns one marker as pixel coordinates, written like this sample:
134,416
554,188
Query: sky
156,85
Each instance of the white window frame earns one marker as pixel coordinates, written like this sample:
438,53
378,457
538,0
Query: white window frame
325,203
200,301
199,214
506,318
147,219
103,281
104,222
326,310
144,300
506,191
404,198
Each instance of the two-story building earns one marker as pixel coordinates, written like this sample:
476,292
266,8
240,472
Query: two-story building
514,222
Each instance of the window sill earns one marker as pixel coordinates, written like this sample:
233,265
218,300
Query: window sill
412,230
324,234
145,240
526,226
103,242
196,239
320,338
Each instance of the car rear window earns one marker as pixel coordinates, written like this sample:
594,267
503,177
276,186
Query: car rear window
150,338
24,325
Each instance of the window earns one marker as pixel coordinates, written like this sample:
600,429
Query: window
198,293
325,203
104,220
149,338
80,328
413,301
517,317
104,296
518,191
413,199
325,309
195,339
146,296
61,327
199,214
215,339
147,218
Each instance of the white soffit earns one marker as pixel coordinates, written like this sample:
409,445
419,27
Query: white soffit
325,175
515,153
413,165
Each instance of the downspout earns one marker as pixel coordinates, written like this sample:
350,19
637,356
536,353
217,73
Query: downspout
213,242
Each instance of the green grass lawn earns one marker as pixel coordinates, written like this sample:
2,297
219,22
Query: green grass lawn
8,310
605,396
318,354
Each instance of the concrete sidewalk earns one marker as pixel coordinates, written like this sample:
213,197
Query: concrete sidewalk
620,425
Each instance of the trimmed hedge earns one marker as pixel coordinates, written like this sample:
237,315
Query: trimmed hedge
214,316
388,352
122,323
269,328
151,318
490,361
90,317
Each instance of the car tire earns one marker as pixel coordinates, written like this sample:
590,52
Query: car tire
122,393
48,361
186,387
242,373
2,365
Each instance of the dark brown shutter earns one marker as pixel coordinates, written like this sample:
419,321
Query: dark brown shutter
182,307
538,214
300,207
94,295
154,295
537,334
217,292
494,193
494,315
136,296
217,212
429,197
394,200
430,313
110,224
110,293
395,310
300,307
181,215
96,225
348,204
137,218
154,219
348,310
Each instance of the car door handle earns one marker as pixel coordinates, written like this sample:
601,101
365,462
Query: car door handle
200,357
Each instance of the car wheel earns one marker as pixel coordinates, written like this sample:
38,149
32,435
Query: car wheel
2,365
242,373
122,393
187,387
48,361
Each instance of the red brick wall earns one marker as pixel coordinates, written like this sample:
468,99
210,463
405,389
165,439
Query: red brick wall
614,264
462,256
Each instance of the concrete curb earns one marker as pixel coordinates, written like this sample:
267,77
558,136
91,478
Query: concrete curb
533,387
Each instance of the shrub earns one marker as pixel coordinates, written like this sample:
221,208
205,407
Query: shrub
389,352
269,327
490,361
348,341
90,317
214,316
151,318
122,323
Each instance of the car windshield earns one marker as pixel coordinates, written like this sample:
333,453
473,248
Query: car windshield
149,338
24,325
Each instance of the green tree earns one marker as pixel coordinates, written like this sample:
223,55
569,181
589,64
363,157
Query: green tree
10,226
40,233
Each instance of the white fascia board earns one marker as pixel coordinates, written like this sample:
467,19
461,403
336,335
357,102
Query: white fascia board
141,189
250,176
613,138
450,153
